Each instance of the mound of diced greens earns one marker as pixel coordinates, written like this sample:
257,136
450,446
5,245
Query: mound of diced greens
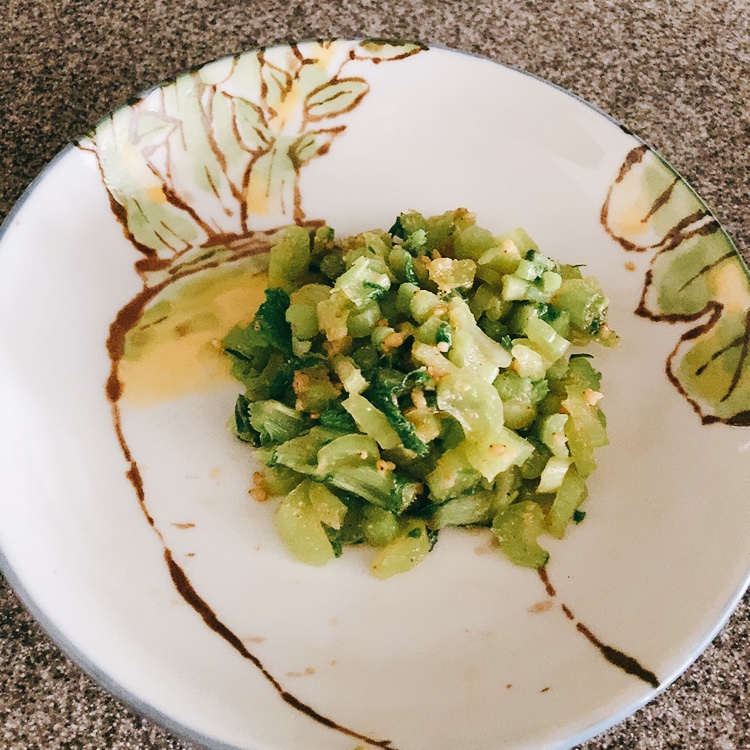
400,382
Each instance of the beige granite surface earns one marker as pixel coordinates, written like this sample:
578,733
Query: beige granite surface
676,73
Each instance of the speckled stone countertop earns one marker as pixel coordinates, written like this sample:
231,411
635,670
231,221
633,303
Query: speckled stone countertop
677,74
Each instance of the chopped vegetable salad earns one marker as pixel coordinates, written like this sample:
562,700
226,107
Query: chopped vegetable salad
396,383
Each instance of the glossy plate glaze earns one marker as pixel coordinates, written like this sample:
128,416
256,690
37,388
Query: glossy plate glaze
127,527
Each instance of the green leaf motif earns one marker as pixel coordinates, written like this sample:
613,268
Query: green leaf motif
250,124
335,98
156,225
228,138
313,143
696,276
194,159
277,84
379,50
217,72
200,165
151,129
686,280
716,366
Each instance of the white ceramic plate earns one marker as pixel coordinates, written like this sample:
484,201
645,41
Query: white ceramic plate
126,523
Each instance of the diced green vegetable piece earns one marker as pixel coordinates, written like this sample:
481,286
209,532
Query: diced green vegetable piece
449,274
322,241
332,265
430,356
482,299
552,434
423,304
527,270
553,474
473,242
549,342
520,239
533,466
520,396
362,322
377,485
279,480
408,549
453,475
551,431
584,431
366,482
269,328
327,508
492,457
302,313
371,421
349,374
529,363
365,280
348,450
405,430
299,349
304,322
515,288
521,314
366,356
557,371
384,393
435,232
289,258
499,260
380,526
569,496
551,282
405,492
464,510
404,296
585,302
474,403
314,389
444,334
586,418
333,314
379,336
402,265
505,488
560,321
517,528
580,375
433,330
472,348
533,266
275,422
300,529
416,242
351,529
426,423
378,244
568,271
301,453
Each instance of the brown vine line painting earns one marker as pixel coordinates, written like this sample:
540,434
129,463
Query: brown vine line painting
696,276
